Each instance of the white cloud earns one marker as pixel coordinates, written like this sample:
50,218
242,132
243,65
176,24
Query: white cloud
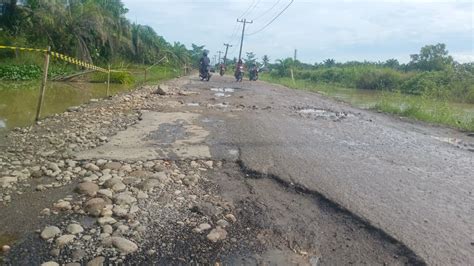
345,30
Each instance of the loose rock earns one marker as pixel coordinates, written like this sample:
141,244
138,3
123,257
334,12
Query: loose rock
50,232
87,188
124,245
217,234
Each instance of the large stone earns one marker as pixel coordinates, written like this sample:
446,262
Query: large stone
62,205
124,245
141,174
120,211
99,261
111,182
106,220
162,177
106,193
64,240
91,167
87,188
124,198
50,263
8,180
75,229
163,89
119,187
217,234
50,232
94,206
149,184
113,166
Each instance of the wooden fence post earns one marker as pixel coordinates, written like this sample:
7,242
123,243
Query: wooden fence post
43,85
108,81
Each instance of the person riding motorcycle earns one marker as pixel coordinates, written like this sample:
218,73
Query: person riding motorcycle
254,72
239,70
204,63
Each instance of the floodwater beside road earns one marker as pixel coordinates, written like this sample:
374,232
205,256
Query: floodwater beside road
18,100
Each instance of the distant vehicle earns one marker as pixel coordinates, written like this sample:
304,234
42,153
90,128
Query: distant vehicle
222,70
239,73
205,74
212,70
253,74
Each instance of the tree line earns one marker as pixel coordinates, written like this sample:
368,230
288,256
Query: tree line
431,72
95,31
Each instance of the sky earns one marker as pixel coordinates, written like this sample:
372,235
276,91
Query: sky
343,30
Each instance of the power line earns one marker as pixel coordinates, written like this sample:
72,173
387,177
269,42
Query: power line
271,21
251,8
268,10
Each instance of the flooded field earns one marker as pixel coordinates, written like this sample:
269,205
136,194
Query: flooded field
18,100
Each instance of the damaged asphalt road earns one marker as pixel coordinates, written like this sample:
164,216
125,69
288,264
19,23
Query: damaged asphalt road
241,173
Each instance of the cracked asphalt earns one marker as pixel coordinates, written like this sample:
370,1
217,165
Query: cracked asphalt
398,175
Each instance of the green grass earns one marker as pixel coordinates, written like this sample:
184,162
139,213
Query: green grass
423,108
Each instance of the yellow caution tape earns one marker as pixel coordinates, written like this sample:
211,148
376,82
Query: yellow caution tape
22,49
59,56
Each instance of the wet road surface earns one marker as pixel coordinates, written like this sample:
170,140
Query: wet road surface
400,176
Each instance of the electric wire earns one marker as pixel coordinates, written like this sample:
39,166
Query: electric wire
267,11
271,21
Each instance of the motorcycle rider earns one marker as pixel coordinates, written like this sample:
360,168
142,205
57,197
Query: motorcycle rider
254,72
204,63
239,70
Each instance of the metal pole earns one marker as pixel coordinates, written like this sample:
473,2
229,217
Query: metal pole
226,50
43,84
108,81
243,32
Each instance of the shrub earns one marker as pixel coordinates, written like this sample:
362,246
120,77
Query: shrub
20,72
378,79
115,77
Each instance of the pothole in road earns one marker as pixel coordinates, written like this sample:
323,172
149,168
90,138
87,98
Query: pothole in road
317,113
223,92
223,89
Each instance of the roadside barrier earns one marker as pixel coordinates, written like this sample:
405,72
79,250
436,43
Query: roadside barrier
48,53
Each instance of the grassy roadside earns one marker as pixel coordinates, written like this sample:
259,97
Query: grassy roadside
421,108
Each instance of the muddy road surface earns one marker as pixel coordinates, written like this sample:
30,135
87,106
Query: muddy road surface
234,173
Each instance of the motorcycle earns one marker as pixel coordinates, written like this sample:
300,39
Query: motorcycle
205,74
253,74
222,70
239,74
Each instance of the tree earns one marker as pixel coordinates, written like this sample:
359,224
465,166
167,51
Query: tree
432,58
250,59
392,63
265,60
329,62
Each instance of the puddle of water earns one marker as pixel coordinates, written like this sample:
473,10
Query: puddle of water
320,113
192,104
315,112
6,239
223,89
219,105
221,94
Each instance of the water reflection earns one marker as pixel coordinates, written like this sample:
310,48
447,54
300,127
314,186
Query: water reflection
18,100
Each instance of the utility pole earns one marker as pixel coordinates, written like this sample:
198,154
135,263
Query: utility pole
296,52
244,21
214,60
219,52
226,50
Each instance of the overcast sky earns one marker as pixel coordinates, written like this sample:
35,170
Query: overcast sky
343,30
